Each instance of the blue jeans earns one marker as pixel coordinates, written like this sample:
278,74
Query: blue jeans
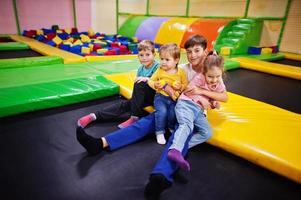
132,133
190,117
144,127
165,113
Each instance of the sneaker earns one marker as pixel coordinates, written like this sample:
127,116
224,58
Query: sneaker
127,123
84,121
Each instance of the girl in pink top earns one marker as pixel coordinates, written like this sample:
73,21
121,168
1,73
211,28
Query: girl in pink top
190,110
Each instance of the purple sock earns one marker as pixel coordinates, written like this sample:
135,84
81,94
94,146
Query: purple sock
177,157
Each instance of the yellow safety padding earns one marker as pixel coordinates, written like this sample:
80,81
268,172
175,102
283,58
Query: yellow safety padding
292,56
172,31
105,58
261,133
48,50
270,68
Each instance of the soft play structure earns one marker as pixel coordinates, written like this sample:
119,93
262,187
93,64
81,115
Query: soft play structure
264,134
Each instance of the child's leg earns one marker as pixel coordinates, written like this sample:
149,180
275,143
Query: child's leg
164,171
185,116
119,138
185,113
132,133
160,117
113,111
202,130
142,96
137,103
172,120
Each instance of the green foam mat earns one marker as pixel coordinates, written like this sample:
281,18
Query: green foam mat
15,100
13,46
30,62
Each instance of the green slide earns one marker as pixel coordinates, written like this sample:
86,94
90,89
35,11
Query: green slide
239,35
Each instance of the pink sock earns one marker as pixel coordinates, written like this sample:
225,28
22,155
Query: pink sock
128,122
84,121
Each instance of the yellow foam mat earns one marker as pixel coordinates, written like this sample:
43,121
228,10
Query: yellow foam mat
261,133
292,56
106,58
268,67
49,50
173,30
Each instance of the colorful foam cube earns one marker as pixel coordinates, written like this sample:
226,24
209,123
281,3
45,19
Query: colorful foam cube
254,50
275,49
40,32
96,47
77,42
57,40
266,50
68,30
85,50
85,38
76,49
225,51
101,51
65,47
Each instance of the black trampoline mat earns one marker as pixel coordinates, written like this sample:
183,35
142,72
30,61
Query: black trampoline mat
275,90
6,39
18,54
294,63
41,159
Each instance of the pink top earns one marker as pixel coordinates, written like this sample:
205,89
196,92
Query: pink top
199,81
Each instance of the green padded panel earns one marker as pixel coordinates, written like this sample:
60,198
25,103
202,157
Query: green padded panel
30,62
13,46
15,100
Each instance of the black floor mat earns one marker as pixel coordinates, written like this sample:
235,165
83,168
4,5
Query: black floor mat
41,159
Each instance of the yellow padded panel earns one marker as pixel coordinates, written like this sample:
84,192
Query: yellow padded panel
48,50
172,31
261,133
103,58
292,56
270,68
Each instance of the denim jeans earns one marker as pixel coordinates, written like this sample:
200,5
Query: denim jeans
164,114
190,118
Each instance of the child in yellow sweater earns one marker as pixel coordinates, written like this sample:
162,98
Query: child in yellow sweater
168,74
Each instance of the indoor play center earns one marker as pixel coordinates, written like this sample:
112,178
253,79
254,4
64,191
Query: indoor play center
63,59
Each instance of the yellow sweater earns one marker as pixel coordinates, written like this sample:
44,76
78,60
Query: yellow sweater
161,75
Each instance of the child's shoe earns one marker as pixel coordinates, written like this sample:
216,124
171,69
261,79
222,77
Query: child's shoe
160,139
177,156
84,121
128,122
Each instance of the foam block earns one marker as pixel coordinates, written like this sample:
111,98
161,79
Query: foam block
226,51
266,50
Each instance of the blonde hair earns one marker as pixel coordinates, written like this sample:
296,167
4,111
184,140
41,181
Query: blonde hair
213,60
146,45
172,49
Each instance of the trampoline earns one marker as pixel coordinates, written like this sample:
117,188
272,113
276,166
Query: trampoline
294,63
19,54
41,159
